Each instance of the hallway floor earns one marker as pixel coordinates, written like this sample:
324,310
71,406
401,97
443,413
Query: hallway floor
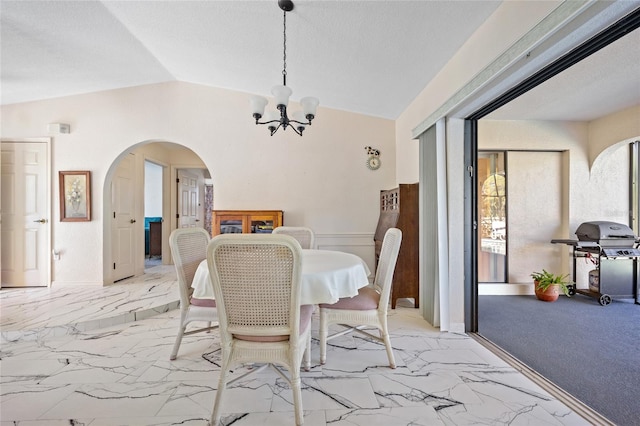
100,356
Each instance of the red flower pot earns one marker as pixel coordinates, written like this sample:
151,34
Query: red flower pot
549,295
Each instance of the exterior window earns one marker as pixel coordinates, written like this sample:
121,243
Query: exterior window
492,216
634,196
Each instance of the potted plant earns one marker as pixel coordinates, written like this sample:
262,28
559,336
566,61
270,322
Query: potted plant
548,285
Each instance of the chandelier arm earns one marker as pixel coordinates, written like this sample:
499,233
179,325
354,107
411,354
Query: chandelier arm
268,122
273,129
300,122
299,133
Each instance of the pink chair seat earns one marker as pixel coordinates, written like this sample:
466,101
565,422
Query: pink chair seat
207,303
305,320
367,299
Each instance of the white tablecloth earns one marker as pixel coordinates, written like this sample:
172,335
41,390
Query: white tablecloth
326,277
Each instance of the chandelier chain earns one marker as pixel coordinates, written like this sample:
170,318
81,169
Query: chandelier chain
284,50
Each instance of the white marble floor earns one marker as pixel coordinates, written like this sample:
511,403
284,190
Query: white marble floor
77,357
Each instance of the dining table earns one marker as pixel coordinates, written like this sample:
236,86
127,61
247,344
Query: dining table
327,276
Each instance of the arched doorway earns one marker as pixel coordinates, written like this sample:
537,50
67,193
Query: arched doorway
124,228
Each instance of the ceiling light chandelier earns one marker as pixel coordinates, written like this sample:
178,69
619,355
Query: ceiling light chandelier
282,93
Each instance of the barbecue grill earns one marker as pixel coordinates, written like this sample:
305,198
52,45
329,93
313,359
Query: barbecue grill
614,249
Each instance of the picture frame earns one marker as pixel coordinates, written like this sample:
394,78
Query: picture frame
75,196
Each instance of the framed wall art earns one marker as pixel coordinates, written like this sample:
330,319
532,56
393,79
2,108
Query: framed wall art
75,196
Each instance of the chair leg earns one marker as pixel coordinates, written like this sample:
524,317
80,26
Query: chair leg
296,388
222,384
387,343
307,355
384,334
324,331
176,345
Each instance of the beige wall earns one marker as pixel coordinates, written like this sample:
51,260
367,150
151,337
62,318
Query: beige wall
598,186
319,180
609,130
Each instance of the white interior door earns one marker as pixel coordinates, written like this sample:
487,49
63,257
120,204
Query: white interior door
25,215
188,190
534,218
124,220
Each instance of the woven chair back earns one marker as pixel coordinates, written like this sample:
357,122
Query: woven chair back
303,235
188,248
256,282
387,264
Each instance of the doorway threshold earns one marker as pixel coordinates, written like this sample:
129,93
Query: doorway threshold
577,406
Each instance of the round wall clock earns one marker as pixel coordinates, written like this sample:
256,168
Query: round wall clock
373,163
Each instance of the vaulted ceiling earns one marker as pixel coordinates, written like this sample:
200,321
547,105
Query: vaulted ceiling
370,57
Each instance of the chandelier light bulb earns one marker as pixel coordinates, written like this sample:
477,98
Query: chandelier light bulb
309,106
281,93
258,103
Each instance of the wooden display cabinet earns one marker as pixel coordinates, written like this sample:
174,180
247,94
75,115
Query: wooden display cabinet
399,209
245,221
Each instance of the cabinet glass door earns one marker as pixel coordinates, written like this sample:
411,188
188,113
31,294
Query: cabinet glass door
231,226
262,224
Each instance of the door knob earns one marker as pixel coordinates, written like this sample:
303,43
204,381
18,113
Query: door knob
132,221
41,221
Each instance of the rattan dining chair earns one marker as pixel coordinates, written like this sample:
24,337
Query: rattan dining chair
256,282
369,307
188,249
304,235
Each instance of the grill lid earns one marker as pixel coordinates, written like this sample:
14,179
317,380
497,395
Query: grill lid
606,232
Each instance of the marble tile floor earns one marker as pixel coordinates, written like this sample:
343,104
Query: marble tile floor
41,313
120,374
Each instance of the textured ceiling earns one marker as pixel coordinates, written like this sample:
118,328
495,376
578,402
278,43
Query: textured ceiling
370,57
605,82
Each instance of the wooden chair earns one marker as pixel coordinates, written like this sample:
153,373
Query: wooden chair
256,281
369,307
304,235
189,248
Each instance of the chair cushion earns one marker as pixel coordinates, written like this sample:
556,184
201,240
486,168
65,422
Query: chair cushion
207,303
367,299
305,320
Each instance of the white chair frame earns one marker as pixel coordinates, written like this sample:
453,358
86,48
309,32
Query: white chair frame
356,320
256,281
188,249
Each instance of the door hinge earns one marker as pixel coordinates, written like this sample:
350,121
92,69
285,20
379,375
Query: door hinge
177,180
114,215
114,265
470,170
177,215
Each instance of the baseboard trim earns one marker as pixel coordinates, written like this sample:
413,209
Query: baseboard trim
59,284
581,409
502,289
